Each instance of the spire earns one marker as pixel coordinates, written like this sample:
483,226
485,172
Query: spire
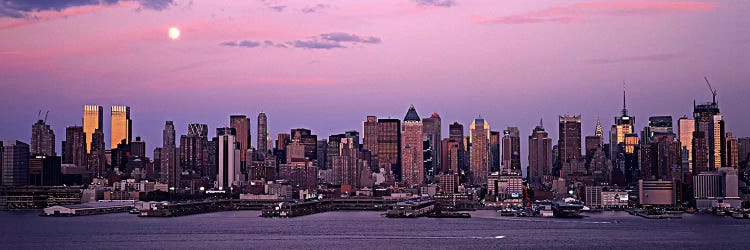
598,131
541,123
411,115
624,107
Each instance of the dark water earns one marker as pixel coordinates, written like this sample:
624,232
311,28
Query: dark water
368,230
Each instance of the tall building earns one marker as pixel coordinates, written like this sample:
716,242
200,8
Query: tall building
431,127
228,158
660,125
15,164
700,153
496,157
412,148
138,148
389,148
512,150
347,166
98,157
170,157
450,156
263,134
370,139
45,171
194,149
309,140
456,133
42,139
732,159
479,136
121,126
743,151
570,139
74,147
685,128
708,120
92,120
540,155
241,124
624,125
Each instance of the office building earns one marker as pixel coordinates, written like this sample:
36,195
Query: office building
263,137
241,125
42,139
479,136
15,164
45,171
685,128
511,150
540,155
432,135
569,144
121,126
74,147
228,158
98,157
389,148
92,120
412,157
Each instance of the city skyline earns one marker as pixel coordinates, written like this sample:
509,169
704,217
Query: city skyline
521,82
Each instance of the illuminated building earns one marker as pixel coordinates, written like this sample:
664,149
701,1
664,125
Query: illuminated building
479,136
412,157
92,120
121,126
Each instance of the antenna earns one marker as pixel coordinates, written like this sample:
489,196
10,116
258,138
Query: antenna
713,91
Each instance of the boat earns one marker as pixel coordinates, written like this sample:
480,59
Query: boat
449,215
411,209
507,212
567,209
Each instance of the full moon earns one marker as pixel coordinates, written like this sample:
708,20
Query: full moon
174,33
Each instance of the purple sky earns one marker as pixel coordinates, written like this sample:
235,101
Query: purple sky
327,65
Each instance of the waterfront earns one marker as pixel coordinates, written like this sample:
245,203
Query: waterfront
368,230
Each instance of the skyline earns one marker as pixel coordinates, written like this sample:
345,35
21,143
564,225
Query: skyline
513,63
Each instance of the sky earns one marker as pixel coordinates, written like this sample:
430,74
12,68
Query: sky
326,65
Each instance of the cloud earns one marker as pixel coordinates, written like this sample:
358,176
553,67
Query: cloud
315,8
27,8
332,40
243,43
438,3
641,58
277,8
346,37
584,12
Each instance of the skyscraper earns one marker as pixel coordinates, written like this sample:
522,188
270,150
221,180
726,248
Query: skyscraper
15,164
456,133
511,150
138,148
685,128
708,120
309,140
732,159
700,153
229,159
389,148
92,120
262,134
241,125
624,125
660,125
412,148
569,142
496,157
75,146
122,127
540,155
98,157
370,139
450,159
431,127
42,139
479,136
170,157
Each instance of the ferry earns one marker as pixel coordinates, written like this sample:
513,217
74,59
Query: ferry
411,209
507,212
567,209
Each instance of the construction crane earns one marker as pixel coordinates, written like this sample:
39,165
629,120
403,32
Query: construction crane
45,116
713,91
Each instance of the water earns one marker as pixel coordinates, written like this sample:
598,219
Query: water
368,230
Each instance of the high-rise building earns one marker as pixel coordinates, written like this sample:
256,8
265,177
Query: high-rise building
450,159
138,148
228,158
686,127
241,124
309,140
431,127
92,120
370,139
700,153
512,150
540,155
743,151
660,125
42,139
263,134
74,147
194,149
121,126
479,136
624,125
389,148
456,133
569,142
98,157
412,148
45,171
2,153
170,157
15,164
496,158
732,159
347,166
708,120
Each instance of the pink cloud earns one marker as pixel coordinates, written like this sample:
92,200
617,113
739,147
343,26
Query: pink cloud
583,12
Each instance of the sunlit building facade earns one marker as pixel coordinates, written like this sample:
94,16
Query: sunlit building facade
121,126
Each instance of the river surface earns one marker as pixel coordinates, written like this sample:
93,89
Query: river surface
368,230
